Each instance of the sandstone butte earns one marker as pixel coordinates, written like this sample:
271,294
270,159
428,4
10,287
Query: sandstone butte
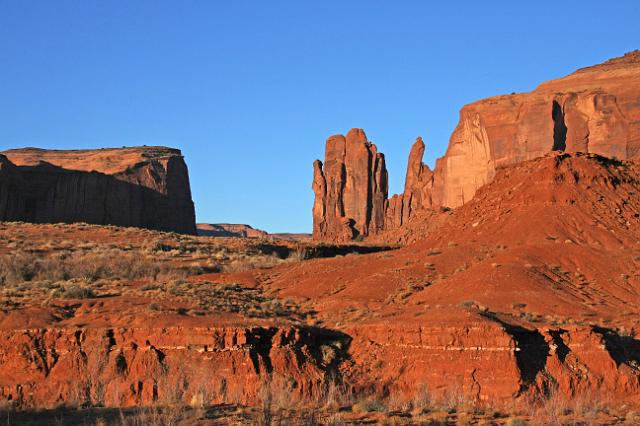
595,110
146,187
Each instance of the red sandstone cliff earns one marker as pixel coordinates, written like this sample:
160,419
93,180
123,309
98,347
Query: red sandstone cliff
146,187
417,190
525,289
593,110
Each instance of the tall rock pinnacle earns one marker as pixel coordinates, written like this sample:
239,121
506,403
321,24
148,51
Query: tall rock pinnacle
350,188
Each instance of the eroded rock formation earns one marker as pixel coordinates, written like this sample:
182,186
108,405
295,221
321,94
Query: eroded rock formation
593,110
146,187
350,188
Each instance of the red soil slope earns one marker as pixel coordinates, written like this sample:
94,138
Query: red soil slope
533,284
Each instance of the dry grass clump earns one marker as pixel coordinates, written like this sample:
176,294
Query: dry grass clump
558,408
205,297
20,267
369,405
242,262
73,275
76,292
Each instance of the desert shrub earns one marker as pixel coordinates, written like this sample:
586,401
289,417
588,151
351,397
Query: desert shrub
299,254
245,263
421,401
335,420
334,395
90,266
276,395
516,422
17,268
74,291
369,406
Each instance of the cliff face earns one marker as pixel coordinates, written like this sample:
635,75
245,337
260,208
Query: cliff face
551,237
594,110
527,289
146,187
350,189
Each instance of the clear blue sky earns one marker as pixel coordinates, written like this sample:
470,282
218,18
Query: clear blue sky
249,90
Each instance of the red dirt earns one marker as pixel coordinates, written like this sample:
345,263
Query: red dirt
538,275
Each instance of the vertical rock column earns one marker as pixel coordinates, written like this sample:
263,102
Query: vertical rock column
350,189
418,182
417,190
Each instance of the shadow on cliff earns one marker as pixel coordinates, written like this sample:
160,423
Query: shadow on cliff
46,193
532,350
328,348
623,349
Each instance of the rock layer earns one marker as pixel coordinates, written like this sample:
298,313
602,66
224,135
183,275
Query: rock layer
524,292
350,188
46,368
146,187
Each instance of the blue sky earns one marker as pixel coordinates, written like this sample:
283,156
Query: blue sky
250,90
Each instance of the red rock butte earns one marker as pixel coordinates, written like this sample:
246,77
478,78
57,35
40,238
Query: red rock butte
594,110
146,187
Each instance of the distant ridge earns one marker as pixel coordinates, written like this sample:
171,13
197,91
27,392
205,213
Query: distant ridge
238,230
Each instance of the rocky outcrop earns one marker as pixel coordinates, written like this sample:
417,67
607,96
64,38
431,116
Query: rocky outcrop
461,359
53,367
350,188
594,110
146,187
237,230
